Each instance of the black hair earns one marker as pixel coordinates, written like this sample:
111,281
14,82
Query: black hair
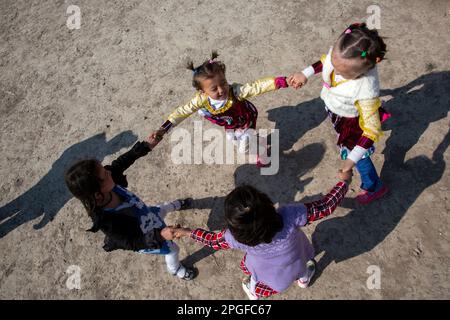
82,181
359,41
206,70
251,216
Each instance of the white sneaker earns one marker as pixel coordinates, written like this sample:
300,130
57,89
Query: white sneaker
246,287
310,271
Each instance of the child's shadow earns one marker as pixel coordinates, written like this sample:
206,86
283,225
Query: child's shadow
414,107
50,193
281,187
294,121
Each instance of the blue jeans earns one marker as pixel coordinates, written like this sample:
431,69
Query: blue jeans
369,177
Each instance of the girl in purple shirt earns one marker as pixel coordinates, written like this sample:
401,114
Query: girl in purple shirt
277,253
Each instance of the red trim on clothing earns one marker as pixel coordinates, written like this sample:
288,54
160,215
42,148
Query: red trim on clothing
364,142
324,207
167,125
244,267
317,66
280,82
243,115
263,290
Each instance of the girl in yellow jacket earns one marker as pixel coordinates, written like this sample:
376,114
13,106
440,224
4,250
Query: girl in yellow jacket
223,104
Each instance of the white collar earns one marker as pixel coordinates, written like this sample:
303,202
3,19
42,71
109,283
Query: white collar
217,104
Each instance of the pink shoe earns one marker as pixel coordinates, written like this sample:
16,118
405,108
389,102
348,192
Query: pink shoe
366,197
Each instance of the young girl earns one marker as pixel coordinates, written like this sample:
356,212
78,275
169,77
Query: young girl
223,104
125,220
277,252
351,94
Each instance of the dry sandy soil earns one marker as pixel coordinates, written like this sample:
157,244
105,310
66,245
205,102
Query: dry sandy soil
68,94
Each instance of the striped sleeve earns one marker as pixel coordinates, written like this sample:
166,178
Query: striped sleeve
210,239
313,69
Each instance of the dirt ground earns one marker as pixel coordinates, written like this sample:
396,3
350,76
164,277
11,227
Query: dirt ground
69,94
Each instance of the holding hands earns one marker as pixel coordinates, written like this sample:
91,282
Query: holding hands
345,176
297,80
175,232
182,232
346,172
155,137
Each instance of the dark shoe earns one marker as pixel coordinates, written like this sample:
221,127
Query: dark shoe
186,203
191,273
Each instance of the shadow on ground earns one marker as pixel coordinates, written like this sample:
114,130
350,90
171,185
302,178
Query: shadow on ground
47,197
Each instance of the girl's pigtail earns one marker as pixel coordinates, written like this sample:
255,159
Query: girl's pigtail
190,65
214,55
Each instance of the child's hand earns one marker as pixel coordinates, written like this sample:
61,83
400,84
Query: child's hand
168,233
182,232
155,138
345,175
297,80
160,132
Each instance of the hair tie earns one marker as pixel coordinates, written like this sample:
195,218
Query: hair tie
211,61
347,31
364,54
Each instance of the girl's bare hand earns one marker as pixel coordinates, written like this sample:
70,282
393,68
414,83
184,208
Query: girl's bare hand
345,175
168,233
297,80
155,138
182,232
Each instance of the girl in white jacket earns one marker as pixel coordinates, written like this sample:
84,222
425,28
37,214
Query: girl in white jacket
351,94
